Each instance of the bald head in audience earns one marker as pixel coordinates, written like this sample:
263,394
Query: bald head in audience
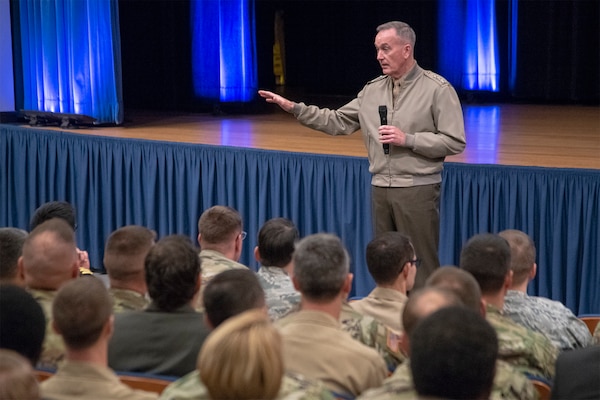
50,255
420,304
461,283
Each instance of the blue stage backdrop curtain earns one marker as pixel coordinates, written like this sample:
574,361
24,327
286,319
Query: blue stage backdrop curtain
224,50
468,44
71,57
166,186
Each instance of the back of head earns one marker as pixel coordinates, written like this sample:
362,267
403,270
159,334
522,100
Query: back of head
11,246
387,255
522,254
50,255
276,240
219,224
80,311
487,257
172,272
22,322
423,302
242,358
230,293
453,355
54,209
17,380
459,282
125,252
321,266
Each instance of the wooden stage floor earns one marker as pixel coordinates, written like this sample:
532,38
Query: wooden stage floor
508,134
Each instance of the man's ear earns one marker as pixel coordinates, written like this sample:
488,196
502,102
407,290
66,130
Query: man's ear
533,272
199,238
347,288
55,328
257,254
295,282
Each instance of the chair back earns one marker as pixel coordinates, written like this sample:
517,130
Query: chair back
148,383
591,321
542,388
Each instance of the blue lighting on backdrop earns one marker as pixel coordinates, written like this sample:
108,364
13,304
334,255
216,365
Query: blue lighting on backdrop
468,45
71,58
224,50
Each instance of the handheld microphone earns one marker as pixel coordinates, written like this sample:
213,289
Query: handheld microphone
383,119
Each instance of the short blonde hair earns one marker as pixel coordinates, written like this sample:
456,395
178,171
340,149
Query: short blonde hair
242,358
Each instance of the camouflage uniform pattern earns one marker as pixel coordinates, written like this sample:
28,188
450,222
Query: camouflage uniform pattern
127,300
213,263
385,305
280,295
53,348
527,351
509,384
548,317
373,333
293,387
596,338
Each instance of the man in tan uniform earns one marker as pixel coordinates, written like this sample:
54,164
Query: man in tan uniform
314,344
124,255
83,316
392,264
49,260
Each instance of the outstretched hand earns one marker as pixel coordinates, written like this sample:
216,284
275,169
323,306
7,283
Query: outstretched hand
281,101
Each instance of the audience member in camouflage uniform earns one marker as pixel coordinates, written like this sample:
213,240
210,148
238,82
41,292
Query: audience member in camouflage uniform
487,258
220,238
11,248
228,294
314,344
392,264
453,355
509,384
548,317
66,212
374,334
596,339
124,255
276,241
49,260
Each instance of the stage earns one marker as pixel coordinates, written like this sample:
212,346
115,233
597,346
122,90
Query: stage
530,167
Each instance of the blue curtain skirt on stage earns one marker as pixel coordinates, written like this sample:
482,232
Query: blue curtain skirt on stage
165,186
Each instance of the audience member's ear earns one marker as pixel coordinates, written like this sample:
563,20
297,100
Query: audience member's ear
109,327
199,239
20,272
482,308
347,288
257,255
295,282
507,281
533,272
55,328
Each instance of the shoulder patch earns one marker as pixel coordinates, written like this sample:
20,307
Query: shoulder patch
438,78
377,79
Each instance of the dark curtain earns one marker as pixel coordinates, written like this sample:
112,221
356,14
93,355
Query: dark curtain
166,186
557,51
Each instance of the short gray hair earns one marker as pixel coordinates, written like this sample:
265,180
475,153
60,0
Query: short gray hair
321,265
403,30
